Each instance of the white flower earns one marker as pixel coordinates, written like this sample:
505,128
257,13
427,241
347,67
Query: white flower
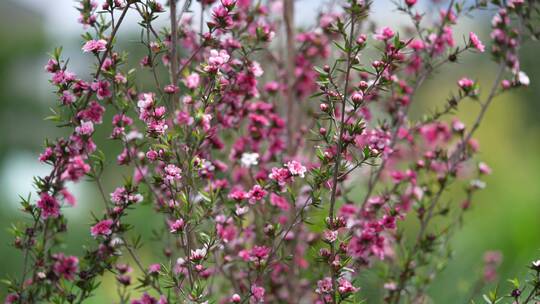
536,263
115,242
135,198
478,184
523,78
198,254
241,210
132,135
249,159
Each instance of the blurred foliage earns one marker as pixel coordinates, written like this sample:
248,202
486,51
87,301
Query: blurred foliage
503,217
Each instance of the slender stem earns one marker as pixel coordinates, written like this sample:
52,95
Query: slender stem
173,51
335,176
531,294
293,121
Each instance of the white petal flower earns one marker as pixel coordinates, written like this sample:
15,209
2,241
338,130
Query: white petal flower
249,159
523,78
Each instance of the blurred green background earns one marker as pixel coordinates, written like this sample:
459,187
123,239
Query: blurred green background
505,216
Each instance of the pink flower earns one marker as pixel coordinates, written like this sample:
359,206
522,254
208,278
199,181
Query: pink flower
46,155
259,253
484,168
324,286
458,126
256,194
417,44
86,128
49,206
256,69
272,86
229,4
465,83
257,292
152,155
120,78
172,173
235,298
154,268
12,298
148,299
171,89
475,42
102,228
76,169
280,175
238,195
68,197
67,97
296,169
357,97
95,46
52,66
176,226
63,77
330,236
65,266
344,286
102,89
216,60
384,34
279,201
94,113
410,2
192,81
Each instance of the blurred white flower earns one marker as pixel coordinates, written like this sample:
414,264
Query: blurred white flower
249,159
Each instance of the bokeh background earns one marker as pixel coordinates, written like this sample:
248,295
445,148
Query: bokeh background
504,217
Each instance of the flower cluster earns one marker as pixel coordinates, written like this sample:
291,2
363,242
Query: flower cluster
249,153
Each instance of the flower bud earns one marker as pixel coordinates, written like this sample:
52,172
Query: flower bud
357,97
361,39
410,3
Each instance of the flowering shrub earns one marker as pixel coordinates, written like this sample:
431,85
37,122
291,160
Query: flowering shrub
253,153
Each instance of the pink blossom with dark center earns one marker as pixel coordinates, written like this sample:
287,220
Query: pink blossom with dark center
257,193
95,46
324,286
65,266
49,206
102,89
154,268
